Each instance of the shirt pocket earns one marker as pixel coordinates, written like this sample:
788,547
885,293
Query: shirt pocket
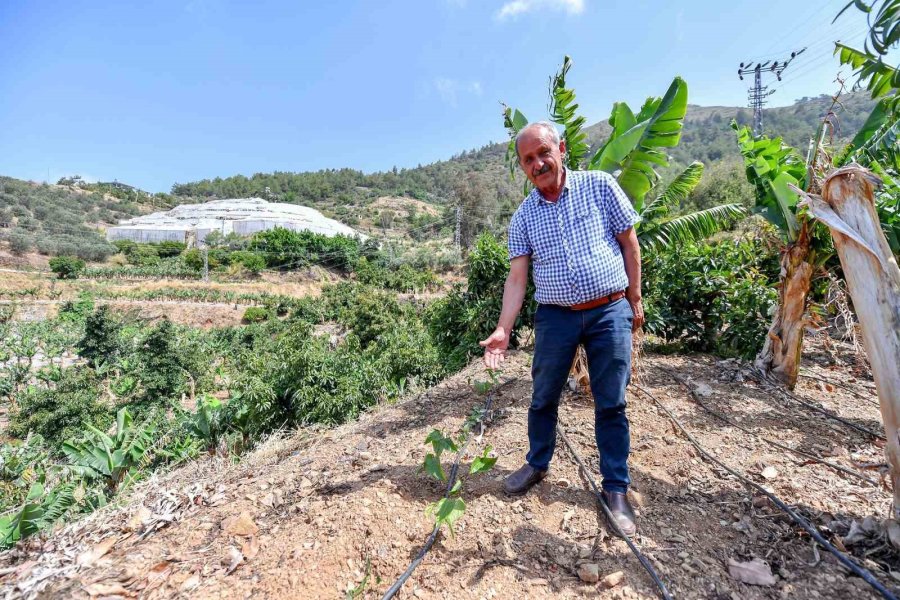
590,227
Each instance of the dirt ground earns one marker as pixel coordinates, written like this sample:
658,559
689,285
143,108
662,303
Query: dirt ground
304,515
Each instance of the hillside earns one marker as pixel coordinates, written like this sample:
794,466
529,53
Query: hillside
55,219
343,192
318,513
403,204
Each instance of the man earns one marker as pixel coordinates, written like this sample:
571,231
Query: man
578,229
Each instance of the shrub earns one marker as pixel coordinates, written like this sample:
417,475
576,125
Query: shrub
193,259
66,267
256,314
162,370
20,243
461,319
169,249
287,249
124,246
60,414
712,298
101,337
143,255
402,279
251,261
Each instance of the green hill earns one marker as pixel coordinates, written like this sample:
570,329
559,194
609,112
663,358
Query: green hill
344,193
418,202
56,219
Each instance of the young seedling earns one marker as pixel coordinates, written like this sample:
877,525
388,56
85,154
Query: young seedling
448,510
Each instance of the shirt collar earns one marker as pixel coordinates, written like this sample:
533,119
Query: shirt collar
539,197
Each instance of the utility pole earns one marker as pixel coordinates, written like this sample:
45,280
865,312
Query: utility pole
756,96
205,262
457,235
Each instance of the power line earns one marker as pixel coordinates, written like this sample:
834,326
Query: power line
758,93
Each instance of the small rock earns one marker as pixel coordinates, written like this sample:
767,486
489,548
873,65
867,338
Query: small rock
589,572
754,572
770,473
612,580
703,389
240,525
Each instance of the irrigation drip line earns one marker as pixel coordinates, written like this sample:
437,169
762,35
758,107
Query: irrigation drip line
850,389
737,425
861,572
451,480
819,409
611,520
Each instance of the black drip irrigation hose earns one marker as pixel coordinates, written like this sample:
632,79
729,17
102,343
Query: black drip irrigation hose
863,573
451,480
737,425
611,520
874,401
819,409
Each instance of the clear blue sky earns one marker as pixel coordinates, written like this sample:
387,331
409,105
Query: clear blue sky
152,93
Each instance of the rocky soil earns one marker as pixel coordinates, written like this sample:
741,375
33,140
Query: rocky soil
315,513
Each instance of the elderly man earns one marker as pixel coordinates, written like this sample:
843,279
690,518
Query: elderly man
577,227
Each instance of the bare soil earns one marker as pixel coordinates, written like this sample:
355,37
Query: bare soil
303,515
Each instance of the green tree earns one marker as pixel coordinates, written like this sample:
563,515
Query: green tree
20,243
100,342
162,371
67,267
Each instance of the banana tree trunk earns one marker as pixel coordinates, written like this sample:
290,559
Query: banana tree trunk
780,356
873,280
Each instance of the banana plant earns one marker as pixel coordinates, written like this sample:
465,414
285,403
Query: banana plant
877,145
656,230
114,460
632,154
775,169
39,511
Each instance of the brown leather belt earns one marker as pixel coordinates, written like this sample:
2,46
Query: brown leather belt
598,301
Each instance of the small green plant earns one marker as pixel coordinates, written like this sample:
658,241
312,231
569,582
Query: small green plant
66,267
449,509
115,460
207,423
256,314
40,511
357,592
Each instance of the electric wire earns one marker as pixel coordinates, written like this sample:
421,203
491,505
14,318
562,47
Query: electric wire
862,572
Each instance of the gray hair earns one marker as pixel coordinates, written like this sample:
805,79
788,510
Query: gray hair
546,125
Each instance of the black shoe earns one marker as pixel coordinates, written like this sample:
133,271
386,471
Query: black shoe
621,511
521,481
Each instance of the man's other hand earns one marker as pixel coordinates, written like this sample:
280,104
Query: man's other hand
495,348
637,308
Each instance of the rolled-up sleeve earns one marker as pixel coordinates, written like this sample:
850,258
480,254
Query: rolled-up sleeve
620,213
518,239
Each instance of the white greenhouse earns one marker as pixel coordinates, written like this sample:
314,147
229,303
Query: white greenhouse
244,216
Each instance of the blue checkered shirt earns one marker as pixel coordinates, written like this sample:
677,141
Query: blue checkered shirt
572,242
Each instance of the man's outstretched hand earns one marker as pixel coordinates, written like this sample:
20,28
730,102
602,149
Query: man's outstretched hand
495,348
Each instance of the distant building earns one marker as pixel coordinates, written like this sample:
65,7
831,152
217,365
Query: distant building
243,216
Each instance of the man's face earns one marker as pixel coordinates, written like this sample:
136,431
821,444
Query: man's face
541,159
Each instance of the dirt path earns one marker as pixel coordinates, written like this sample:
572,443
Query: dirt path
326,503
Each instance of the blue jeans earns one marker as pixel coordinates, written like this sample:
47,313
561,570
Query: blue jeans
605,332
